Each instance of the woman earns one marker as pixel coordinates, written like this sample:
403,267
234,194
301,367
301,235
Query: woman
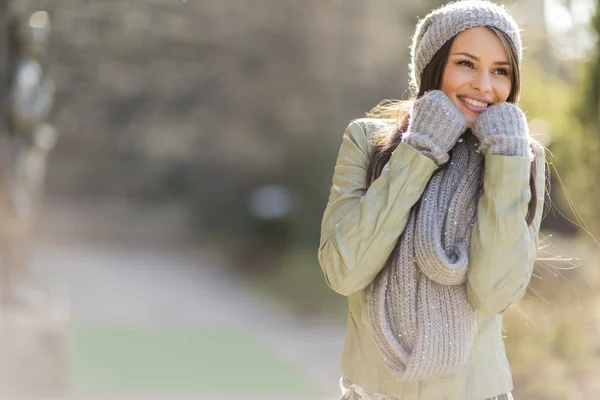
432,223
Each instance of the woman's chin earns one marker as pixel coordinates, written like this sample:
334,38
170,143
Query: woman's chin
469,116
470,121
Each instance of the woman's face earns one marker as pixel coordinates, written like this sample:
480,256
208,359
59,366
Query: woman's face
477,73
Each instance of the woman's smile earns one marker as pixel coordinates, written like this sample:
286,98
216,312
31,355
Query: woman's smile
474,105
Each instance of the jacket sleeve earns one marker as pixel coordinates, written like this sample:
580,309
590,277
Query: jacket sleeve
360,227
503,247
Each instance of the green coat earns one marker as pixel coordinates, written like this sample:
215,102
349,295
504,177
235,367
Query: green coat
361,227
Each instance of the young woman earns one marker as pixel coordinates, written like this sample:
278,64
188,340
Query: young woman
432,223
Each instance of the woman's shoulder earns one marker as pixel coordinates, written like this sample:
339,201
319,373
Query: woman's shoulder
367,126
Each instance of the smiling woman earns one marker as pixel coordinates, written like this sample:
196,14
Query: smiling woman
432,223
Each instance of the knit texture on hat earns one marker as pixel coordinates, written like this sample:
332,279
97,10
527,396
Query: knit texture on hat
442,24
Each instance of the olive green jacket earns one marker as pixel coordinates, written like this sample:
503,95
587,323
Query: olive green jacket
360,228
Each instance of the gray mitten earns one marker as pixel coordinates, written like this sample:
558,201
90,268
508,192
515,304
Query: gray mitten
435,126
502,130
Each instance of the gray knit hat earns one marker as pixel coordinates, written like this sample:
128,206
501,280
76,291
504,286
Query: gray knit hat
442,24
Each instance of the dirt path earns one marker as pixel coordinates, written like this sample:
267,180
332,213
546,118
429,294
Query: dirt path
152,287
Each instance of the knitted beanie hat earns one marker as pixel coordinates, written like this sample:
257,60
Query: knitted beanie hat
442,24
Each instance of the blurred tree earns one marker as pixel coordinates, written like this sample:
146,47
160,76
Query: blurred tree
591,109
25,139
550,101
582,164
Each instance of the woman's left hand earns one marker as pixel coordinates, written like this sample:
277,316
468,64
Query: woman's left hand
502,130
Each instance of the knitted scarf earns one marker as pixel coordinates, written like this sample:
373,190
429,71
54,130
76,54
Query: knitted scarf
422,321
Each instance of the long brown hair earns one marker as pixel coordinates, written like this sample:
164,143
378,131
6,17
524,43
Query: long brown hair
387,139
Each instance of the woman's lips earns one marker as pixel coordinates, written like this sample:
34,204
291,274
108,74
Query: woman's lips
472,107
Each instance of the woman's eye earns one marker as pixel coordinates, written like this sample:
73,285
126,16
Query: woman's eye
466,63
498,71
503,71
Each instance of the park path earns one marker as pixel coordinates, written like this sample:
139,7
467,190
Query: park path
151,286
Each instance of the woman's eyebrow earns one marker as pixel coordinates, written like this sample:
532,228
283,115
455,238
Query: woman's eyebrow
477,59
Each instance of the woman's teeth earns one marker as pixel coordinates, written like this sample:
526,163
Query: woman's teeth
474,102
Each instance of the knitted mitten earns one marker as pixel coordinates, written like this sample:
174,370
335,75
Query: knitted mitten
435,126
502,130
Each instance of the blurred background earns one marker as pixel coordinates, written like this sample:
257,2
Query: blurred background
165,175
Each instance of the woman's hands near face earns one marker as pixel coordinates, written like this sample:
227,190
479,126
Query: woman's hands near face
435,106
502,130
435,126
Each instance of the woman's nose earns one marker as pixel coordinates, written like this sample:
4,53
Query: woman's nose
482,82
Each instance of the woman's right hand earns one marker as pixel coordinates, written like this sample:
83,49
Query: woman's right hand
435,126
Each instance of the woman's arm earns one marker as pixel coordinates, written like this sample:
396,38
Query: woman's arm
503,247
360,227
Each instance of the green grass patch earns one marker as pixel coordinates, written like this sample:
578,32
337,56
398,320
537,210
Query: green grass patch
149,360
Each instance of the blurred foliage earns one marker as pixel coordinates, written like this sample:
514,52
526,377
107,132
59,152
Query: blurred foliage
550,102
300,283
593,78
584,164
551,335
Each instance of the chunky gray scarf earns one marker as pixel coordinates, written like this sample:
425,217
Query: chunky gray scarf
422,321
